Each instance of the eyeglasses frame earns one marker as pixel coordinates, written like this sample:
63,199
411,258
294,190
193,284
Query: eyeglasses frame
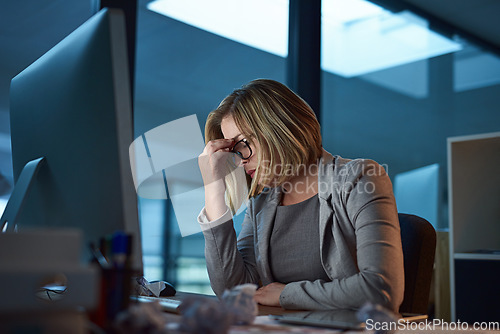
245,141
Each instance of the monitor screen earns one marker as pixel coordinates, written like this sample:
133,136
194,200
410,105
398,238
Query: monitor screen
72,106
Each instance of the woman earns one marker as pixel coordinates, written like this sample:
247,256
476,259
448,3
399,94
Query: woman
320,231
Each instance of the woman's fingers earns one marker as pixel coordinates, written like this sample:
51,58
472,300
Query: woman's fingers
213,161
217,145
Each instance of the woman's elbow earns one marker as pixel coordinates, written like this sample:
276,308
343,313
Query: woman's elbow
387,294
390,300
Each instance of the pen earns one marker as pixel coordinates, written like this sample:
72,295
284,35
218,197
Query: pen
120,249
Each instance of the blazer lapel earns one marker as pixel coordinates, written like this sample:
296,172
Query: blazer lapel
326,211
264,220
325,176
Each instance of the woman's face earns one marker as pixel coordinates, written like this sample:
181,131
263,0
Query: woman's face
231,131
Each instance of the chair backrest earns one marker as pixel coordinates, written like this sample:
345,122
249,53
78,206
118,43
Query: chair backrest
419,247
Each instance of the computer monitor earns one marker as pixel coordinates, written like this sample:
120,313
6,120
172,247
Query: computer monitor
72,107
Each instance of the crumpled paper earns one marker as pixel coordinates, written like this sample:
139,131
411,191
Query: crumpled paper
241,303
144,318
204,316
210,316
200,315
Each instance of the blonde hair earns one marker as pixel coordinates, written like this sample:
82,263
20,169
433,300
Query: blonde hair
282,123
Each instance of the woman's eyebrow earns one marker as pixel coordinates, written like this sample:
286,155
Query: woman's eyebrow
236,137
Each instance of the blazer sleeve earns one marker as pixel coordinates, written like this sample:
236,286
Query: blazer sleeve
230,262
368,205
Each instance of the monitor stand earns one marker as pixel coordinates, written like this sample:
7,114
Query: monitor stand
21,189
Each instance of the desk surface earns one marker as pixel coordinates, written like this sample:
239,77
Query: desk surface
263,310
264,324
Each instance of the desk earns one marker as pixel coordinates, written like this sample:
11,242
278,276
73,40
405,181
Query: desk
264,324
263,310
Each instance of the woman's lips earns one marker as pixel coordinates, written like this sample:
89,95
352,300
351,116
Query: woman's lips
251,173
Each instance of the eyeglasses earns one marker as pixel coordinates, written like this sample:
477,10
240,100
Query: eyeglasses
242,149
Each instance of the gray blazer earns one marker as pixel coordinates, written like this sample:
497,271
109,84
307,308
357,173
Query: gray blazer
359,242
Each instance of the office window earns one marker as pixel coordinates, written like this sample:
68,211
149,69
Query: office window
185,68
6,177
475,69
400,112
262,24
359,37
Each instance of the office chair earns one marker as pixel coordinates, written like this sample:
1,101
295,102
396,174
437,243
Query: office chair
419,246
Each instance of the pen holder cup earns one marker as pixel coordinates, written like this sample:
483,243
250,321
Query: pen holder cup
114,296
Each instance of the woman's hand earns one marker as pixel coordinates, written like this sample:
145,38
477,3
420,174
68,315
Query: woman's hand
213,162
270,294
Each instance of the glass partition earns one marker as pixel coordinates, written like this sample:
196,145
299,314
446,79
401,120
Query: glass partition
379,103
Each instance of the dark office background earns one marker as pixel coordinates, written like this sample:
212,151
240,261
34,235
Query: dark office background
182,70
